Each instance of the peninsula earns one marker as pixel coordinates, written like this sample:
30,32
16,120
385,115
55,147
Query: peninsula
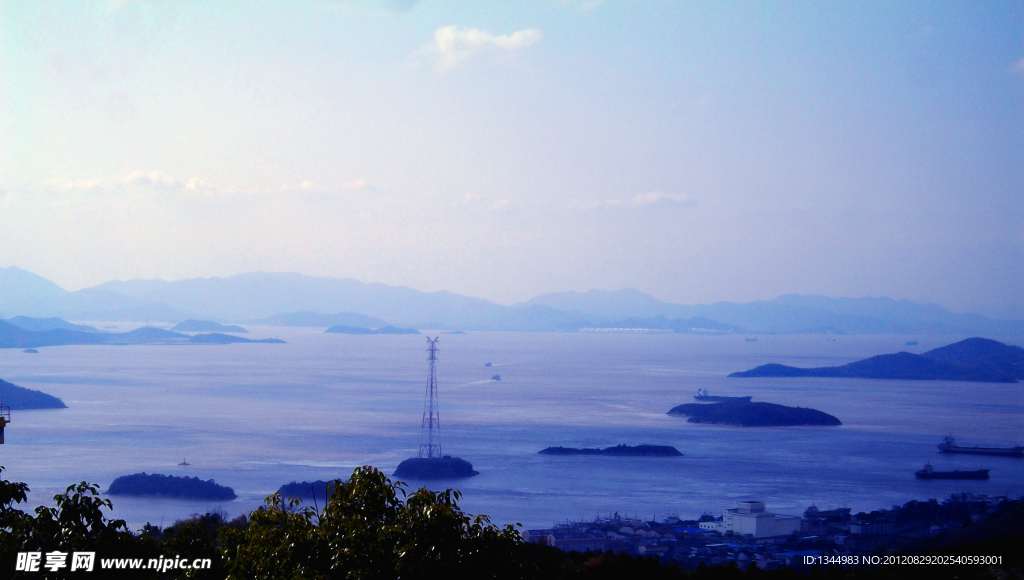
20,398
975,359
617,451
157,485
747,414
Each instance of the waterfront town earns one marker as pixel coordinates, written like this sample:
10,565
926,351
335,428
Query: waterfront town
751,535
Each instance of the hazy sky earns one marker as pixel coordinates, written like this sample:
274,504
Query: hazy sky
699,151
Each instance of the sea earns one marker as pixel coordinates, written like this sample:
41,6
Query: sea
256,416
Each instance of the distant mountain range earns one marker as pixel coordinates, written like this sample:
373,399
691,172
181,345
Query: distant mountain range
974,359
289,299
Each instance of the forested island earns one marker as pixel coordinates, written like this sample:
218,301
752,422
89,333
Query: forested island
975,359
20,398
748,414
446,467
312,490
617,451
172,486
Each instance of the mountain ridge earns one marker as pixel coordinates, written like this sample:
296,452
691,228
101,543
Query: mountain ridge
268,297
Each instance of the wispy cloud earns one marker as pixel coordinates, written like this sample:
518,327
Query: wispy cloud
657,197
452,46
641,200
1018,67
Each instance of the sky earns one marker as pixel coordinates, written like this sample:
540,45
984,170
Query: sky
698,151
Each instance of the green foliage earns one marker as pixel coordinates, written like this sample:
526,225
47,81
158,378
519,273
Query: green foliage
370,528
14,523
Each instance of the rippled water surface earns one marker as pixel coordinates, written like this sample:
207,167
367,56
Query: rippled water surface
256,416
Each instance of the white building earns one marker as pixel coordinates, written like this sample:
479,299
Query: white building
749,518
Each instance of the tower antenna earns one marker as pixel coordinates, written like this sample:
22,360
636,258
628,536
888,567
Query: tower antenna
431,418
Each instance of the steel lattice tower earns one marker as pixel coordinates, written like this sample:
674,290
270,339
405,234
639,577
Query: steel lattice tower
431,419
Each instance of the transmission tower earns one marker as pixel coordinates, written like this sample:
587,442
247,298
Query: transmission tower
431,419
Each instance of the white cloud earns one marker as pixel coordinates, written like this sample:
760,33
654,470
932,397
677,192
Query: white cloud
361,184
453,46
162,180
500,204
80,185
657,197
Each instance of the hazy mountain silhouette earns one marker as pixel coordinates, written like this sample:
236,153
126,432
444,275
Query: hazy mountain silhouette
288,298
974,359
790,313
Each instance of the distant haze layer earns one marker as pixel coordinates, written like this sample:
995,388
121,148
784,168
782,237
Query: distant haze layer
698,151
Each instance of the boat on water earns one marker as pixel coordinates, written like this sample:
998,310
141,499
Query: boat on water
702,395
183,462
929,473
495,377
949,445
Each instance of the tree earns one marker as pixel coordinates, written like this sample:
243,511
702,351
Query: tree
370,528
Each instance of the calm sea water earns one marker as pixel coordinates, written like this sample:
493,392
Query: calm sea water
254,417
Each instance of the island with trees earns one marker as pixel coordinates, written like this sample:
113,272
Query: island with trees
748,414
170,486
617,451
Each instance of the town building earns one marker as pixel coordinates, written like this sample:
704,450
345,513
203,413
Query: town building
749,518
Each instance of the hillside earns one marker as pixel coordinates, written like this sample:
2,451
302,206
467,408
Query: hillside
52,323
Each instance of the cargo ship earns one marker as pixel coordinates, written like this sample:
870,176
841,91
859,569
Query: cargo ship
929,473
702,395
949,445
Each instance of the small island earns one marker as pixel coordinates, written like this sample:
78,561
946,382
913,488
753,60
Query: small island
617,451
312,490
171,486
747,414
342,329
446,467
218,338
206,326
20,398
30,351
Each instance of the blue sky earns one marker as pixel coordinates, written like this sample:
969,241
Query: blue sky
696,151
